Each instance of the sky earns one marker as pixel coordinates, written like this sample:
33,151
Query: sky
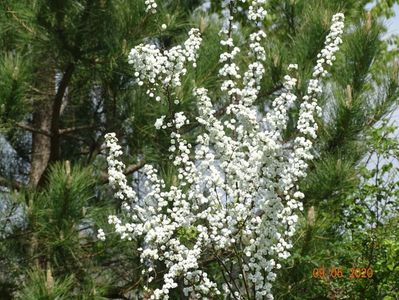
393,23
393,28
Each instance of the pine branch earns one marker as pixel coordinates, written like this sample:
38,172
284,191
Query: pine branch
76,128
33,129
22,23
62,131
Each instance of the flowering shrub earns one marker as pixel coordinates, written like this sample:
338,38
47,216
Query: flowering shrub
234,200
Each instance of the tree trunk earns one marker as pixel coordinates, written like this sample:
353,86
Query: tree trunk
42,120
46,149
40,143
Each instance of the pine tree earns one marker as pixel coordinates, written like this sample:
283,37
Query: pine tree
65,81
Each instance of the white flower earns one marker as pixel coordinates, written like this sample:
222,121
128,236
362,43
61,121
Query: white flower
159,122
163,68
180,120
256,11
101,235
151,6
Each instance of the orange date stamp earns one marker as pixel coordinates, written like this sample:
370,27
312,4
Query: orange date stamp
338,272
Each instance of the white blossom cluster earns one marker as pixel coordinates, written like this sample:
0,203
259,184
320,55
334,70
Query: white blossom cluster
333,40
101,235
306,125
162,69
257,11
151,6
233,199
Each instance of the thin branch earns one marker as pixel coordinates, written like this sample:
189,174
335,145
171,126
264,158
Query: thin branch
129,170
33,129
76,128
38,91
223,265
133,168
240,261
23,24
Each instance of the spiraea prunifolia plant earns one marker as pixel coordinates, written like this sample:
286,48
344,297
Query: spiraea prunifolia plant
235,193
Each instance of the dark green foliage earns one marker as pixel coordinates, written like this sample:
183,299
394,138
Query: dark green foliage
40,287
58,213
14,73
